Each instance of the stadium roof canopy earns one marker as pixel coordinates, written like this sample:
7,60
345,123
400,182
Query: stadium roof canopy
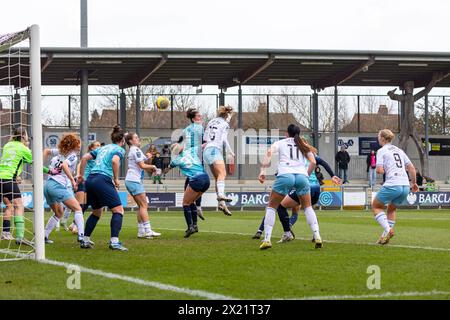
230,67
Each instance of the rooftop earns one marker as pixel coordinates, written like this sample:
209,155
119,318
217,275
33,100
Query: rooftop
229,67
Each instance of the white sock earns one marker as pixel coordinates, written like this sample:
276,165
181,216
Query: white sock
114,240
51,224
140,227
311,219
147,226
383,221
221,188
269,222
391,223
79,221
66,215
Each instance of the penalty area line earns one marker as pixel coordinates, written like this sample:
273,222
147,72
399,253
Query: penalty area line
142,282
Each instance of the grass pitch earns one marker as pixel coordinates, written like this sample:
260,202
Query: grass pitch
223,260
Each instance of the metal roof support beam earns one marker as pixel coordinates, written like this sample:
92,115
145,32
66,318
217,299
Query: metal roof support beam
84,110
248,74
221,98
47,62
123,120
140,78
424,81
17,116
344,75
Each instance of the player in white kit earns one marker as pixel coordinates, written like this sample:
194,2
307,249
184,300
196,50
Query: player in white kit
395,164
134,184
60,187
292,174
216,135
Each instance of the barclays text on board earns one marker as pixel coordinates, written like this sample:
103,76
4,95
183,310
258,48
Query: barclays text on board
428,199
260,199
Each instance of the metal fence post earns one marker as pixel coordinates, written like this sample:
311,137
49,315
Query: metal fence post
443,115
315,120
171,111
69,109
138,111
359,112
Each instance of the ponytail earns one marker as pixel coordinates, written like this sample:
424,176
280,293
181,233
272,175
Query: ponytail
302,145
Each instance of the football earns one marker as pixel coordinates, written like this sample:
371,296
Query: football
162,103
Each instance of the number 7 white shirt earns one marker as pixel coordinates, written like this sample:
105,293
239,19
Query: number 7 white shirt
394,161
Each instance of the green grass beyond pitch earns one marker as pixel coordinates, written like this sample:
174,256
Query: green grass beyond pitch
223,259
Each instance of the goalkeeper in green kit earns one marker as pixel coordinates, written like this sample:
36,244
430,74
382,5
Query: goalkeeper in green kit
15,153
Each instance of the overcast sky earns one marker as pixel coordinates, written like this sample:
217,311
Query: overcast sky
326,24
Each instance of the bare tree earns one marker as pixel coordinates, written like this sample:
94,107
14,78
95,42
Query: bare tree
326,113
435,116
407,128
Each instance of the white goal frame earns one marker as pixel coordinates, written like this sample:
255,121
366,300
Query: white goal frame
36,111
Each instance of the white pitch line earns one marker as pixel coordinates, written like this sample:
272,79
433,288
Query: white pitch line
214,296
370,296
329,241
153,284
402,218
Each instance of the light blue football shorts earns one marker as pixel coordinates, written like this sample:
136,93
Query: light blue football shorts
134,188
392,194
286,182
211,155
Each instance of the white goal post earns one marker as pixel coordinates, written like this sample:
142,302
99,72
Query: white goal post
38,178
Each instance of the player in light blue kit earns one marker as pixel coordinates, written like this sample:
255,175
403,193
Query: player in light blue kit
81,192
192,138
102,185
191,166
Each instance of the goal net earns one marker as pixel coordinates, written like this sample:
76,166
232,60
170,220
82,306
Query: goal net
21,178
